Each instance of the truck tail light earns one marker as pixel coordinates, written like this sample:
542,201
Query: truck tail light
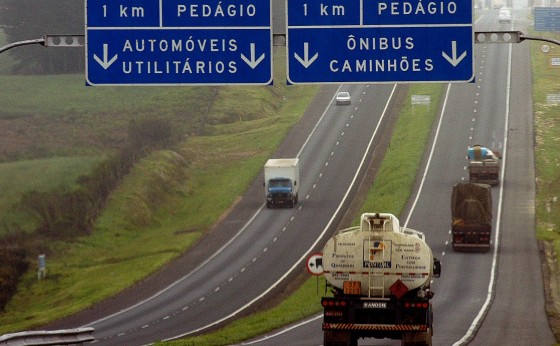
327,303
420,305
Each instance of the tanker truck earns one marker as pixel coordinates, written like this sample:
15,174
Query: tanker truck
379,274
281,179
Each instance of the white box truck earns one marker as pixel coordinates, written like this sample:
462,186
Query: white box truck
281,182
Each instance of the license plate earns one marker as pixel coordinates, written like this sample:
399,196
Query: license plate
375,305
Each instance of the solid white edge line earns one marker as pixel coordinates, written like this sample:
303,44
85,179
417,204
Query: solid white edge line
285,330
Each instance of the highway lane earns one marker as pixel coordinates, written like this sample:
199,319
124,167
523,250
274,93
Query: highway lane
493,298
273,243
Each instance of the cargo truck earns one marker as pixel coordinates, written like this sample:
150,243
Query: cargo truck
281,182
484,165
379,274
471,212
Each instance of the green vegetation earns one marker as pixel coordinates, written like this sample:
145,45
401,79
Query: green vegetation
547,160
167,201
547,128
395,179
36,175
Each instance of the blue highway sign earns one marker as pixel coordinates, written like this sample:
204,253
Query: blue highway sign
360,41
173,42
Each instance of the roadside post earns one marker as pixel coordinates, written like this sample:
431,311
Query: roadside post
42,268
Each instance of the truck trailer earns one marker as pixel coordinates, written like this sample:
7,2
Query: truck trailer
379,274
471,213
484,165
281,182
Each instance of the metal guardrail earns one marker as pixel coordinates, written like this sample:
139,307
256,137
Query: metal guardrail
48,337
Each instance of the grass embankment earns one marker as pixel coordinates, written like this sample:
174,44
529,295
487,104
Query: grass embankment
169,199
547,128
547,160
389,193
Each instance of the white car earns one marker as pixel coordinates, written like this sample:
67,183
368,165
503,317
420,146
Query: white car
504,16
343,98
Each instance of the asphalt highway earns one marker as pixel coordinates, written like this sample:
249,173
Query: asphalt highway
264,250
249,257
492,298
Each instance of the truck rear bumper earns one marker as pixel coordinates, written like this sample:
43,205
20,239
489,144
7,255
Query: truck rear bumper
376,327
471,247
484,174
485,181
282,202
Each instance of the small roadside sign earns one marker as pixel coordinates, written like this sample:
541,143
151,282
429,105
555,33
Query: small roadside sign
315,264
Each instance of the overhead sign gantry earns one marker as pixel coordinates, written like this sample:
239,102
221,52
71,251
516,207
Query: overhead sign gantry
357,41
175,42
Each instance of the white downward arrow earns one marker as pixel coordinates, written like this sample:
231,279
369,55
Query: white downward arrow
306,62
454,60
105,63
252,62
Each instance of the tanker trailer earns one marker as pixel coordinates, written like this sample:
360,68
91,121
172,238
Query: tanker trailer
379,274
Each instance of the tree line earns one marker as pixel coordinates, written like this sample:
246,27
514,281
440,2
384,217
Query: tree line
23,20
